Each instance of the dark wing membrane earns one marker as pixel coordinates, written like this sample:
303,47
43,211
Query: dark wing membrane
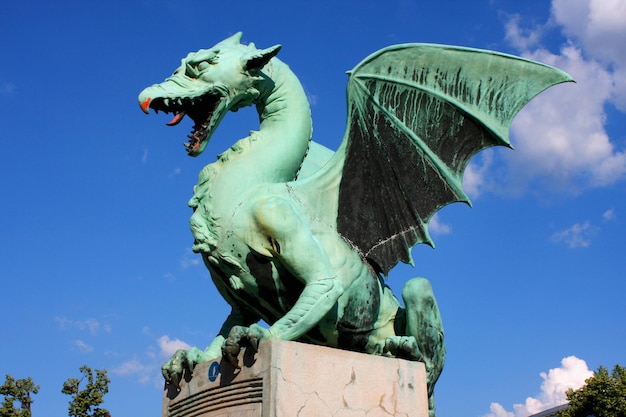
417,113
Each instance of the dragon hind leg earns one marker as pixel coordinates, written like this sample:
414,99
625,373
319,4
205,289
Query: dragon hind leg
420,319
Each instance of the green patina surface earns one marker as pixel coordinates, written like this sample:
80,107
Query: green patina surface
302,237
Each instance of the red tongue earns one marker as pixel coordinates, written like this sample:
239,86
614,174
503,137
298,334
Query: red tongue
177,118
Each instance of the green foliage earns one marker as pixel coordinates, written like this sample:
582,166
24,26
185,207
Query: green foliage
85,402
17,390
603,395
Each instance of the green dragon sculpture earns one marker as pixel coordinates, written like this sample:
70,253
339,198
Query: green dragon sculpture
302,237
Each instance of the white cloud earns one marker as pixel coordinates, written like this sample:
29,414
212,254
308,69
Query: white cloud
131,367
82,347
477,172
498,411
520,37
560,137
147,367
93,326
135,368
600,27
572,374
576,236
169,346
63,322
189,259
437,227
608,215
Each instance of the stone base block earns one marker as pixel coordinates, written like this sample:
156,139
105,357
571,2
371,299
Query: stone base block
290,379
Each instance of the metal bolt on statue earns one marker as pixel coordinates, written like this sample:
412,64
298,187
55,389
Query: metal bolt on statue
302,237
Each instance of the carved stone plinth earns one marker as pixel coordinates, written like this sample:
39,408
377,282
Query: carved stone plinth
289,379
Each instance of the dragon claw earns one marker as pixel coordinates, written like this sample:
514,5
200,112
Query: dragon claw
403,347
182,363
230,351
241,336
174,368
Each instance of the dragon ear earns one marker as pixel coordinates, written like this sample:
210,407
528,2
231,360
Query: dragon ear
232,40
258,58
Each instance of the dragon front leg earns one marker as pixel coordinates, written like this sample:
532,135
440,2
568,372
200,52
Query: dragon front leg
315,301
284,235
291,241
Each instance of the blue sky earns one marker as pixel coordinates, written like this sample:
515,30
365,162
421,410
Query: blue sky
95,259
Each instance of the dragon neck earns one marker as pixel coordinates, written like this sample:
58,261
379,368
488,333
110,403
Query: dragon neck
275,153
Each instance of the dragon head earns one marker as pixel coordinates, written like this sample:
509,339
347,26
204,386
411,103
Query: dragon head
208,84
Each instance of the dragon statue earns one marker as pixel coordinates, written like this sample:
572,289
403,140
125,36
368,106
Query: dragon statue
302,237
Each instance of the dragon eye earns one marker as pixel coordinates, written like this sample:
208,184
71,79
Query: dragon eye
202,65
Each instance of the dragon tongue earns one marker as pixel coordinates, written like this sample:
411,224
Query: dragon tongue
177,118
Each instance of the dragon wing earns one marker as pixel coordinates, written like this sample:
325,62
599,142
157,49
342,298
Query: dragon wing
417,113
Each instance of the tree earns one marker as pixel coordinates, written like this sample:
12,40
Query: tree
17,390
603,395
85,402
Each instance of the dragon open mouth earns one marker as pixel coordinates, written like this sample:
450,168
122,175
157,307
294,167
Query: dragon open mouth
201,110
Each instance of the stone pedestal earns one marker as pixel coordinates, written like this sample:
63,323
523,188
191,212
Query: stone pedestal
289,379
